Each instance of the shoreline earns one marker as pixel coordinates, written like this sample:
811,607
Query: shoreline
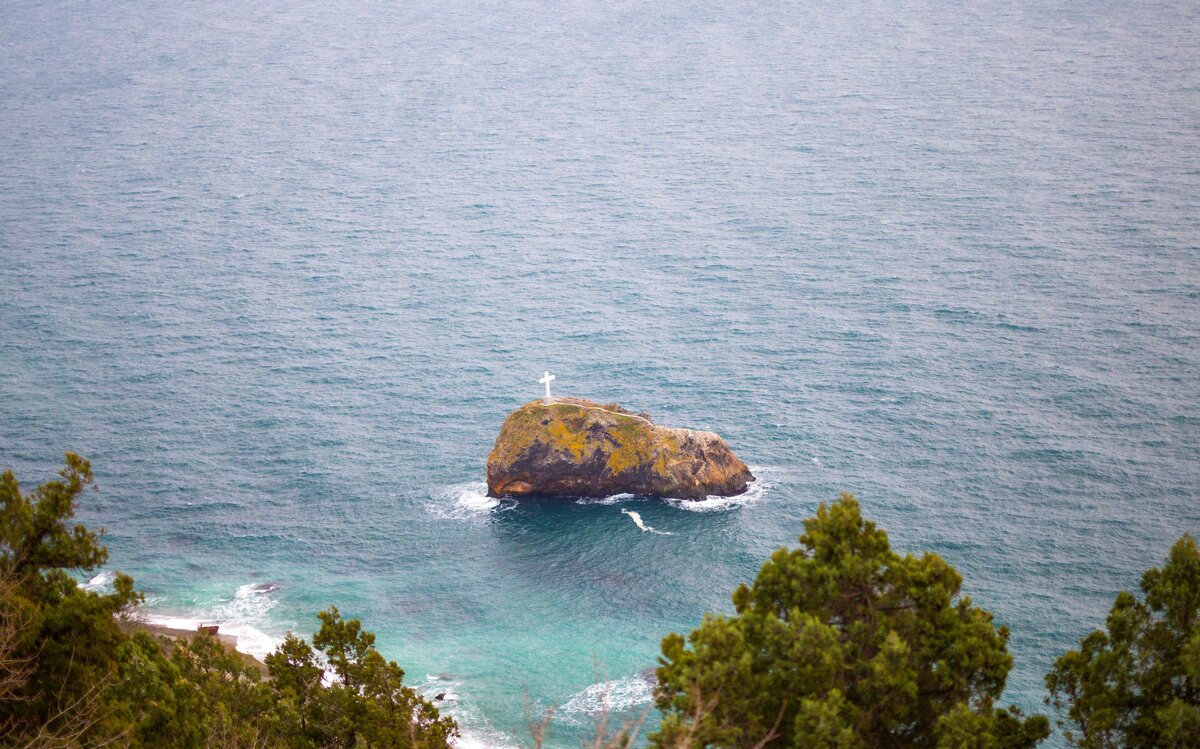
467,738
165,632
175,633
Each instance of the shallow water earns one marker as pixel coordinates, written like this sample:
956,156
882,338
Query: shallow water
281,271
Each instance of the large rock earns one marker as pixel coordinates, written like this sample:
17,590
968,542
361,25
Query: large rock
574,447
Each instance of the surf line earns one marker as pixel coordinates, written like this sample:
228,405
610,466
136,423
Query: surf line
637,520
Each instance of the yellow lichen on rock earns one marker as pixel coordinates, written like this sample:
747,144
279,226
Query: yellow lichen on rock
562,437
580,448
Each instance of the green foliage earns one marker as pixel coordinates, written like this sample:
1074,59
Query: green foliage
71,676
205,695
843,643
192,692
367,705
1137,683
63,652
34,538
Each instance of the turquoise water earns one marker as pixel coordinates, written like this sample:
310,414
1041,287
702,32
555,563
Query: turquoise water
281,271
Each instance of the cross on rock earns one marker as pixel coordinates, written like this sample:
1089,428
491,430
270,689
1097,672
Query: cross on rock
546,378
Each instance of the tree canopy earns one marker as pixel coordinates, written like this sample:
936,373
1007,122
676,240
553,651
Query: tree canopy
843,643
74,672
1137,682
366,705
59,656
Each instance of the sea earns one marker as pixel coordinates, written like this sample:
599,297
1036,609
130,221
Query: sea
281,269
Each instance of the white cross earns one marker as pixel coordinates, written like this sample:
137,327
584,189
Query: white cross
546,378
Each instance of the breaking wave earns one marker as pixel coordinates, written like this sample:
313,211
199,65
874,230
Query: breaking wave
249,640
608,697
474,731
610,500
467,501
239,617
256,589
754,492
100,581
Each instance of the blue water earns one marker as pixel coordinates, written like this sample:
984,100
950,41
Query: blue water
280,269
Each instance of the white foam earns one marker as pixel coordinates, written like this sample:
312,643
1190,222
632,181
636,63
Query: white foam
467,501
250,640
637,520
474,731
240,616
608,697
610,500
472,739
248,605
256,589
712,503
100,581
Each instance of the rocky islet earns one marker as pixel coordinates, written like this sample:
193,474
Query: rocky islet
577,447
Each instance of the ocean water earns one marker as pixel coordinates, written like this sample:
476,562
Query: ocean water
281,269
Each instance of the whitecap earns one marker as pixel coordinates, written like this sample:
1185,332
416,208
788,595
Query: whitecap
713,503
100,581
249,640
256,589
468,500
609,500
608,697
241,617
637,520
247,605
486,739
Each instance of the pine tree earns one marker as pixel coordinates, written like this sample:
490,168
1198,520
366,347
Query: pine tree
843,643
1136,683
61,659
